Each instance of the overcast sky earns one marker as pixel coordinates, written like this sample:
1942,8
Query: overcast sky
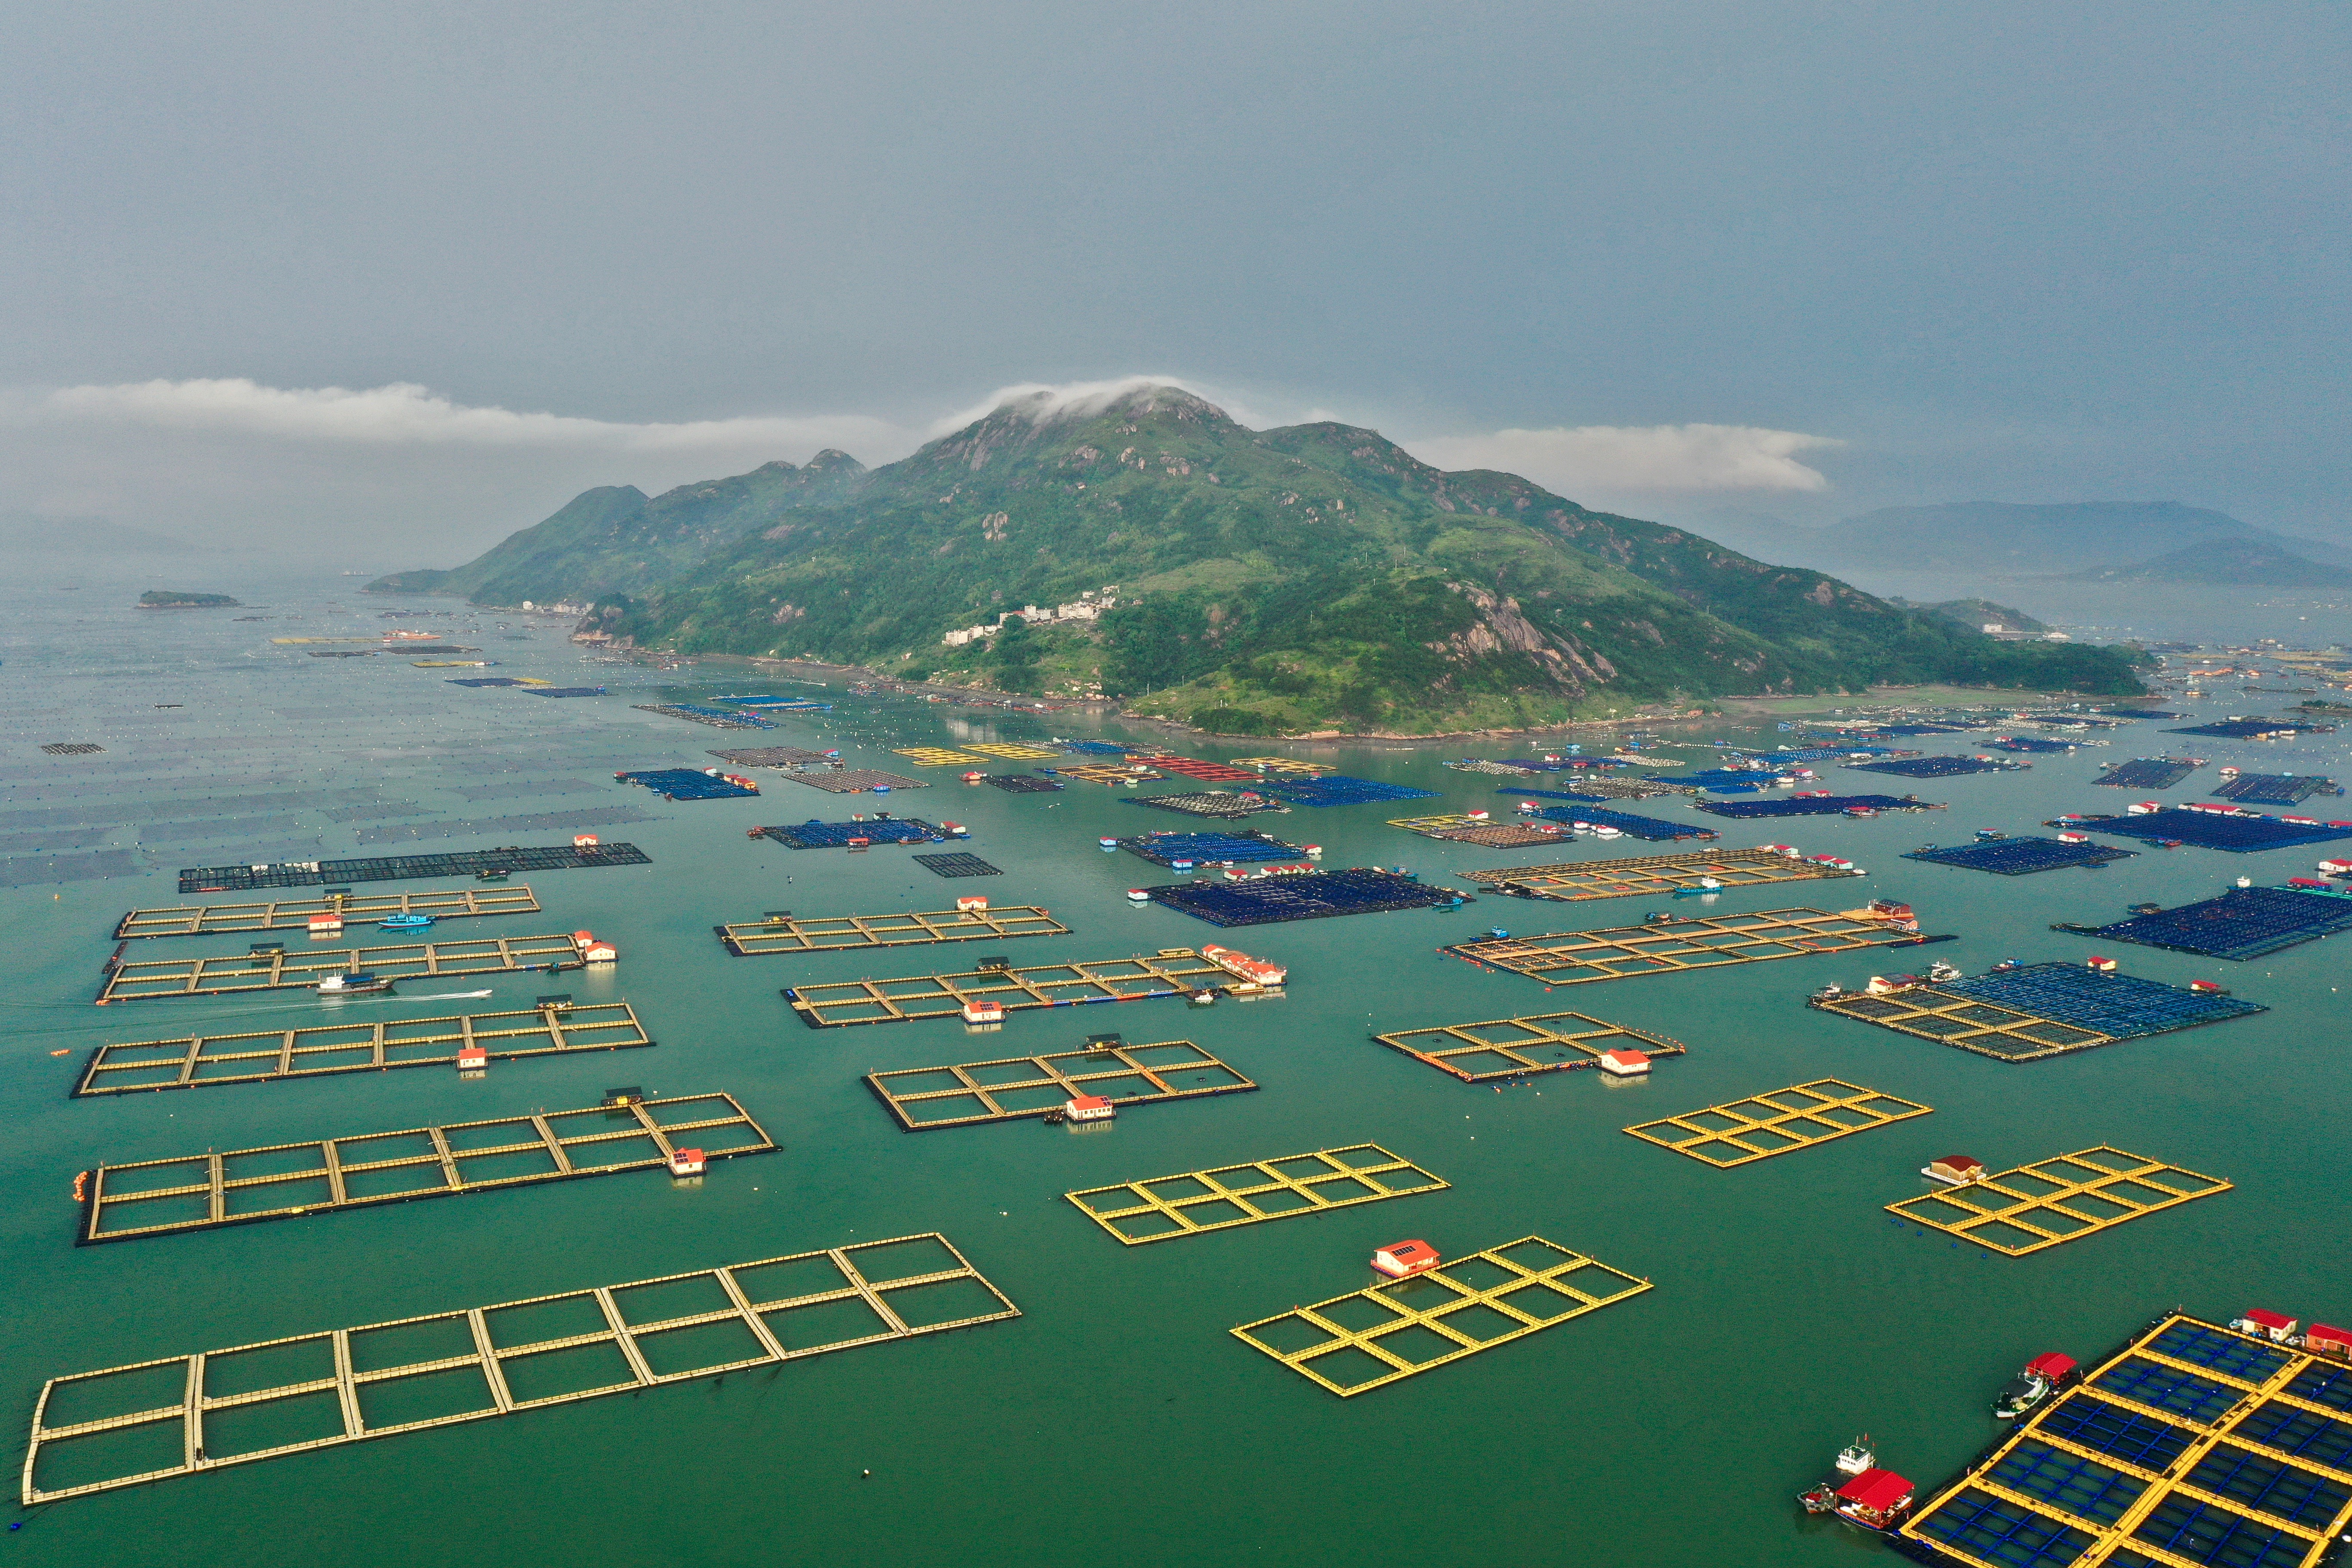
398,279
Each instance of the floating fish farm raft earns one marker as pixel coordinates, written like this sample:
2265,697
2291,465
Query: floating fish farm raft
71,748
1676,946
2274,789
1338,789
781,704
1216,803
240,1186
789,758
1934,767
686,784
957,864
407,868
2027,743
1656,875
1763,1125
1193,1203
1171,972
1093,748
478,681
1194,768
1021,784
202,1061
2192,1444
815,835
717,718
1284,766
1014,1089
183,1415
1103,773
295,914
2039,1011
938,756
2064,1198
1817,806
1208,848
2255,729
2239,832
272,968
1628,823
853,781
1513,1048
1603,789
2242,923
1722,781
832,933
1012,751
1311,896
2148,772
1368,1337
2020,856
1458,828
564,691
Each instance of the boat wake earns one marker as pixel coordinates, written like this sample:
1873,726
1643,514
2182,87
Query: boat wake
446,996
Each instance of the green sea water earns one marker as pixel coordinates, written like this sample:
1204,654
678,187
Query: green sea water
1117,1417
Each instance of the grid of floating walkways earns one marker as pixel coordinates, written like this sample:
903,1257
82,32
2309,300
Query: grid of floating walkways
1193,1203
2147,773
1013,1087
2241,923
1367,1339
321,1050
1676,946
2060,1199
272,968
1306,896
2040,1010
295,914
239,1186
148,1421
833,933
1511,1048
1763,1125
1456,828
2020,856
2192,1445
1172,971
1658,875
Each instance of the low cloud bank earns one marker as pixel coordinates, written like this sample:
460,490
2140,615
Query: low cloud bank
1635,458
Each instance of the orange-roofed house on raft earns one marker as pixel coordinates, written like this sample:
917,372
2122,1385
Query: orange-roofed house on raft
2328,1340
1955,1170
1399,1258
584,841
1090,1108
1624,1061
686,1163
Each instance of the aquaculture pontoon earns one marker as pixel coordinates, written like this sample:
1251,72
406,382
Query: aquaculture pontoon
2240,831
408,868
2241,923
272,968
1172,971
1657,876
2064,1198
1513,1048
297,914
1306,896
1191,1203
2020,856
832,933
182,1415
1763,1125
1674,946
2038,1011
1014,1089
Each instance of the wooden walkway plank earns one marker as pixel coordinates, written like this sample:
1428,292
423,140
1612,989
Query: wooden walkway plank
877,1284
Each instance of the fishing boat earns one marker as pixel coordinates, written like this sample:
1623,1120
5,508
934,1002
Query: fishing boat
492,874
2043,1377
1875,1500
355,982
406,922
1706,885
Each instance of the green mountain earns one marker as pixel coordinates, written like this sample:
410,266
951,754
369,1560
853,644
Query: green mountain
2224,563
1311,577
1975,614
614,537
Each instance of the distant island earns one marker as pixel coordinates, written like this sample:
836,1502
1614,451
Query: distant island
168,599
2224,563
1978,616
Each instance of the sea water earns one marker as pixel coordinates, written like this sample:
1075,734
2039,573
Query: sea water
1117,1417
